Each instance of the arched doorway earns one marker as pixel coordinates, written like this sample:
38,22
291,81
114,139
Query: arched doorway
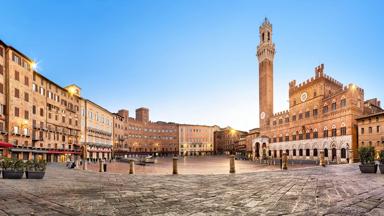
257,151
325,152
343,153
333,154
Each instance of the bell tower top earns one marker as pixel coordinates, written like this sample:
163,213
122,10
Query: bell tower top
266,48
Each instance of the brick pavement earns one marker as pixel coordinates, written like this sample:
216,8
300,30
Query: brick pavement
334,190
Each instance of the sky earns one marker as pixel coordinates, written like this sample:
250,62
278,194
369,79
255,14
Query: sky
194,61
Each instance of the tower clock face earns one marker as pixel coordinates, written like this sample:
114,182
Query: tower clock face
304,96
262,115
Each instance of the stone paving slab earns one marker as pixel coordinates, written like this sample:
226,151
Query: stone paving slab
333,190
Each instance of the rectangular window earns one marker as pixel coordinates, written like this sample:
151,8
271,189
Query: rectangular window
325,109
314,112
334,132
280,139
307,136
286,138
34,109
41,112
300,116
1,52
362,130
1,69
26,96
280,121
17,75
26,81
325,133
16,111
378,129
370,130
300,136
343,131
294,118
333,106
315,135
287,120
26,114
343,102
307,114
17,93
1,88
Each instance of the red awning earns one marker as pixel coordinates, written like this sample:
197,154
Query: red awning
6,145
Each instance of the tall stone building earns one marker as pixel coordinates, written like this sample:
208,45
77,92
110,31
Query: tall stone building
321,116
265,55
38,118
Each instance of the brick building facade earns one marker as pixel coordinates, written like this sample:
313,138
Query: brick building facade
371,130
226,140
140,136
39,119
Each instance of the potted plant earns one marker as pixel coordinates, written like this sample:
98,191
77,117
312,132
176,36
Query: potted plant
35,169
366,155
12,168
381,165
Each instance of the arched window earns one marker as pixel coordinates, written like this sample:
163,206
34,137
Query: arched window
269,153
325,152
281,153
269,36
300,152
294,152
306,152
315,152
274,153
343,153
262,36
287,151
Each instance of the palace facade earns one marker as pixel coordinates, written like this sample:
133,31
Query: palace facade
321,116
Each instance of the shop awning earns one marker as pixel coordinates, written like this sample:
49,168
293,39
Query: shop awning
5,145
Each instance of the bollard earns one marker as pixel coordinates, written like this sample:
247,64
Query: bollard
131,167
100,165
232,164
85,164
285,161
77,164
322,162
175,166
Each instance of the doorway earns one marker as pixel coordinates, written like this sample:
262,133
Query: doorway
333,154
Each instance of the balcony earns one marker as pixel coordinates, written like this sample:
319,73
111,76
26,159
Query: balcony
37,138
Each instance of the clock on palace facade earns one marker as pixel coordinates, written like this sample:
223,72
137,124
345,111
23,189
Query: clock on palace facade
304,96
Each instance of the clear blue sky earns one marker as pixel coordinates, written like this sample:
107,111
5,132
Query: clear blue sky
194,61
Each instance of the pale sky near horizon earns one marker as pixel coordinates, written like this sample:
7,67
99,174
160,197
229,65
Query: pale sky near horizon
194,61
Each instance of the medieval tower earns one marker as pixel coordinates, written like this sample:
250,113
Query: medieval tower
265,55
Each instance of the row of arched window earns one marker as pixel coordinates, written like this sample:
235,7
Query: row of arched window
301,152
